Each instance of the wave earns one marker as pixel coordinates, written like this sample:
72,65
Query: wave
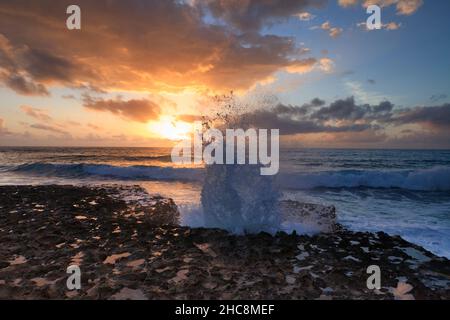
84,170
433,179
107,158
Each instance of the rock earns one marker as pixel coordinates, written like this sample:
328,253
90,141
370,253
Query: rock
129,294
402,291
115,257
162,212
316,217
166,261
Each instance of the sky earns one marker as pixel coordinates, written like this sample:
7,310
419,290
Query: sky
138,73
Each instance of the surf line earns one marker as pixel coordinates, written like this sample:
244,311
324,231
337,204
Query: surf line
208,147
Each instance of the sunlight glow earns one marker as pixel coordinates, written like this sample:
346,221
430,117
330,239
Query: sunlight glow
169,128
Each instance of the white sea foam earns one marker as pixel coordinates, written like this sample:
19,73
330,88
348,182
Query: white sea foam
434,179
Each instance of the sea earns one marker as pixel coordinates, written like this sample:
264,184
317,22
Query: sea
400,192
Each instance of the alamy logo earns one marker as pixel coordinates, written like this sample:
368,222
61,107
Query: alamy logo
374,21
374,281
74,280
208,147
73,22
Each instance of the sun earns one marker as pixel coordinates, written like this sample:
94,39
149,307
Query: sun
169,128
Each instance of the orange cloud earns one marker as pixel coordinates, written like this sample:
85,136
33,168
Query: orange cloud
332,31
347,3
36,113
3,130
404,7
137,45
137,110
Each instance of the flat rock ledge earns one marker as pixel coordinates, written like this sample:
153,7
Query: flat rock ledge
128,246
318,218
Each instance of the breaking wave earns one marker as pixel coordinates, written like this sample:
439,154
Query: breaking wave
433,179
109,171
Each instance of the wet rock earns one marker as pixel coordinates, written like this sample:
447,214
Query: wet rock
157,259
317,217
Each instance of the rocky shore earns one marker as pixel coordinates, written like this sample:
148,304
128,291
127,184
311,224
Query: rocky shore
128,245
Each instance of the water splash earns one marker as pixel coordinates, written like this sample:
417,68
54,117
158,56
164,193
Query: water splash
237,198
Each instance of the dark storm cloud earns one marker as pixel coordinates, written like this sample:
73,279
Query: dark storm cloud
44,66
137,110
289,125
298,110
27,70
344,115
23,86
253,14
438,116
347,109
310,117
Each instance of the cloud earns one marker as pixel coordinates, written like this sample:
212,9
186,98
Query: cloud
94,127
408,7
390,26
316,117
292,125
347,109
435,116
26,70
144,45
432,139
348,3
36,113
68,96
310,64
326,65
345,115
438,97
253,14
3,130
347,123
344,123
23,86
403,7
302,66
137,110
305,16
46,67
333,32
49,128
361,94
73,123
189,117
304,51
